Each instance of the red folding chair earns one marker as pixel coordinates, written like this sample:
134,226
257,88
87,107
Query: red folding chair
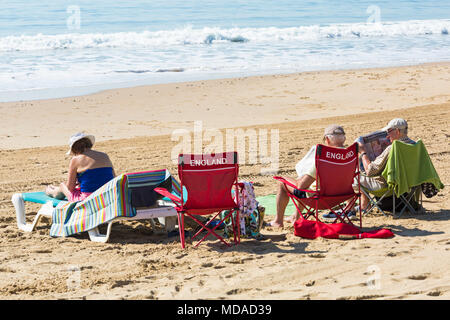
209,180
336,169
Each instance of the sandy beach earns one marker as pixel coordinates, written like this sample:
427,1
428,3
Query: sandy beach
134,126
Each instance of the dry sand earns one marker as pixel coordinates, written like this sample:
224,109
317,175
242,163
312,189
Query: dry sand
141,263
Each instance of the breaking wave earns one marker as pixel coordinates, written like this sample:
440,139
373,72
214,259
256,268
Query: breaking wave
211,36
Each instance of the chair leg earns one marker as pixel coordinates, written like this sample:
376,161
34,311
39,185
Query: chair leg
237,232
236,223
181,229
406,201
360,213
373,203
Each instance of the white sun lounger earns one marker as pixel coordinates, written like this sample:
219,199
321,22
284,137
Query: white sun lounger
164,211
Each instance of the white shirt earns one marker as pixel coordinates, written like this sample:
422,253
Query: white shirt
307,165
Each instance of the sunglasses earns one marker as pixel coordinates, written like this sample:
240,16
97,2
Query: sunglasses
390,130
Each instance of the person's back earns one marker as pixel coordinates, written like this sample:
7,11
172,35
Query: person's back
94,170
92,159
88,170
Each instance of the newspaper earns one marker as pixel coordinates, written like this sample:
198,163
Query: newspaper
374,143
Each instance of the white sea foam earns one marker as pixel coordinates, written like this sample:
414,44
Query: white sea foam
77,60
207,35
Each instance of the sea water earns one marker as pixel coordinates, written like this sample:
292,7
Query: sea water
57,48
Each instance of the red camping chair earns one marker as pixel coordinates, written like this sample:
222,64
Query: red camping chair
336,169
209,180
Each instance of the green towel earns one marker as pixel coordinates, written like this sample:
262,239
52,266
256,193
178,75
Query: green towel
270,204
409,165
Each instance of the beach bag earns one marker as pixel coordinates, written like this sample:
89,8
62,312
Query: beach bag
429,190
251,215
146,196
250,226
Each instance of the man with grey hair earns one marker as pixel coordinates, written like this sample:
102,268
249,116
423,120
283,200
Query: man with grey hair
397,129
334,136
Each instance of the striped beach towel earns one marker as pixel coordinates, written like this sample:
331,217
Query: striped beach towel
111,201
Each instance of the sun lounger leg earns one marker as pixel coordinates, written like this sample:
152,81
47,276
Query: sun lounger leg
96,236
19,205
169,223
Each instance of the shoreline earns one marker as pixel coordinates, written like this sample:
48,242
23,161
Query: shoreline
153,110
80,91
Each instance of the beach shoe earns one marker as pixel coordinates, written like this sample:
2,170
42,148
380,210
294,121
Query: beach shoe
331,215
352,215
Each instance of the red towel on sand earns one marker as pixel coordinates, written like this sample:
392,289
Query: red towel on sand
313,229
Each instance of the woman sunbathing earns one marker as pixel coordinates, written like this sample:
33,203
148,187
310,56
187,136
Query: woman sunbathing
88,170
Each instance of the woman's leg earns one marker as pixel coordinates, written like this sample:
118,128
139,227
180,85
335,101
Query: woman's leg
63,188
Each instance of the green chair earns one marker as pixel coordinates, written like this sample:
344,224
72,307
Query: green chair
407,168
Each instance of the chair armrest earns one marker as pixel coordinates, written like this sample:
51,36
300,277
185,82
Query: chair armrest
292,185
165,193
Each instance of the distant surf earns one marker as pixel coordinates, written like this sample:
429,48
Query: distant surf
191,36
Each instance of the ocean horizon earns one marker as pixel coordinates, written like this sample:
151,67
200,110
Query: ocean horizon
64,48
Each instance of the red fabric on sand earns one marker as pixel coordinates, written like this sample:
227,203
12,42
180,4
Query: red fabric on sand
313,229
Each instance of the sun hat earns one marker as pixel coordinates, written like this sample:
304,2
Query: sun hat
397,123
333,129
79,136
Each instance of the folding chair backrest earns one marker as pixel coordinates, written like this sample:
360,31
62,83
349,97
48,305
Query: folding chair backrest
208,179
141,186
335,169
409,165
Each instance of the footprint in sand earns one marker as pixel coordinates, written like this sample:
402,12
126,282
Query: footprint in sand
240,260
362,297
42,251
310,283
207,264
391,254
316,255
237,291
434,293
418,277
120,283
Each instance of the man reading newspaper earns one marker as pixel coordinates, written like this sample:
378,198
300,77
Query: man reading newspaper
374,143
397,129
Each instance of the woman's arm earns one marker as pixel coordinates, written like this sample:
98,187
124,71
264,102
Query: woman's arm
110,163
72,174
